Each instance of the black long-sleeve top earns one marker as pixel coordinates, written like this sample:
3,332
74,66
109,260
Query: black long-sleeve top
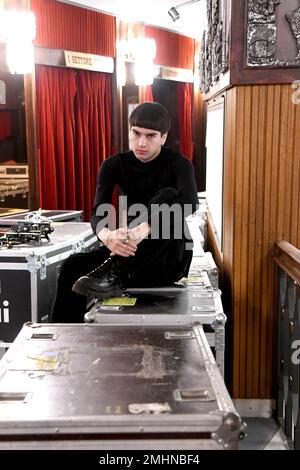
139,181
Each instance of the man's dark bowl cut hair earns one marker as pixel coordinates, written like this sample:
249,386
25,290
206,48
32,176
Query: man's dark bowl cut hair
151,116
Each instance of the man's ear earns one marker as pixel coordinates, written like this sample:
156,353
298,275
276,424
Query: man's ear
164,138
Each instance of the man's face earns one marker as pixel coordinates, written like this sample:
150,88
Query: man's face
146,143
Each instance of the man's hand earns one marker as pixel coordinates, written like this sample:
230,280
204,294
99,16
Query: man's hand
139,232
118,241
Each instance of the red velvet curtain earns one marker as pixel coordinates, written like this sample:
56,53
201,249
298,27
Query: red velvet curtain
69,27
56,89
93,133
185,114
173,50
148,93
6,124
74,129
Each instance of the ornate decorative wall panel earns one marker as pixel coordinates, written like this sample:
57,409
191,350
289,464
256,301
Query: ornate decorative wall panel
214,48
263,29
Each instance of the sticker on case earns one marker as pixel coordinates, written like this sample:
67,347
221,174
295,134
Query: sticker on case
119,302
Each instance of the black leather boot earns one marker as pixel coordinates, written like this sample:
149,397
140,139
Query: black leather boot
103,281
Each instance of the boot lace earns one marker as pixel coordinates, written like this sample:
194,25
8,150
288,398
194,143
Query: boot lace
108,269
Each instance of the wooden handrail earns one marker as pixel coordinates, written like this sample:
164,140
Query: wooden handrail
288,258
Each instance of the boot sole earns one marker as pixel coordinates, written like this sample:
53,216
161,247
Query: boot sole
78,289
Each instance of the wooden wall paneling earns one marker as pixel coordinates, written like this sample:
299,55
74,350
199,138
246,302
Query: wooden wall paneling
261,205
239,315
295,231
296,155
230,131
289,163
261,257
275,124
199,135
282,162
245,233
229,178
250,225
258,366
291,219
266,288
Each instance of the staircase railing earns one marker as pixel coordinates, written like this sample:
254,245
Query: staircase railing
287,258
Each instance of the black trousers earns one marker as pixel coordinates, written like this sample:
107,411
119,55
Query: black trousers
156,263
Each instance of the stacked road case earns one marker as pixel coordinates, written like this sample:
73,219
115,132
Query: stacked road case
54,216
102,387
28,276
205,262
194,300
139,374
167,306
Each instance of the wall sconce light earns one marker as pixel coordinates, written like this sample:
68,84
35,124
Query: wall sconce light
142,52
173,12
145,53
18,30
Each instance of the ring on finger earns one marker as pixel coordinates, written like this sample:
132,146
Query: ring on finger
125,241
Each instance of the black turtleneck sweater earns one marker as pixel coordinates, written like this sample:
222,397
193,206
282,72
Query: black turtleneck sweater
140,181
